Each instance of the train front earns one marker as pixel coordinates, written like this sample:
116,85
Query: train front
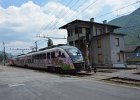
76,57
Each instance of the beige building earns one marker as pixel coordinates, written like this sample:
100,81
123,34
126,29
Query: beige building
104,45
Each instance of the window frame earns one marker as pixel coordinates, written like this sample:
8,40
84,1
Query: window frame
78,30
48,55
100,58
99,43
53,54
117,42
118,57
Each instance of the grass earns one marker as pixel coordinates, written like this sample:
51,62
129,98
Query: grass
135,59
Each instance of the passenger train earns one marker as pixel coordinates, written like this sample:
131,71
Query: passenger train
58,58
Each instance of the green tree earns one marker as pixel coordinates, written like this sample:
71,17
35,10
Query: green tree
50,42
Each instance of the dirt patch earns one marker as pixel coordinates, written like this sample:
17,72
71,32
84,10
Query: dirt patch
125,81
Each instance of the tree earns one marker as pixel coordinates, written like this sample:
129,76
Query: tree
50,42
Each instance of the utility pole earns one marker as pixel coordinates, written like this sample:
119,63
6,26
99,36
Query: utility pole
36,47
4,60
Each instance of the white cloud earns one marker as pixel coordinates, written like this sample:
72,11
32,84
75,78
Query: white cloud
125,5
24,22
16,43
96,8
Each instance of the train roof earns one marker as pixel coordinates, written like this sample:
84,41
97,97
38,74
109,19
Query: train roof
47,48
53,47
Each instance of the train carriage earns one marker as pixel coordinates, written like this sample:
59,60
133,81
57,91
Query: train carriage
66,58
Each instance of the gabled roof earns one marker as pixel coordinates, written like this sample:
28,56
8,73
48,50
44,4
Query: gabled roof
131,48
88,22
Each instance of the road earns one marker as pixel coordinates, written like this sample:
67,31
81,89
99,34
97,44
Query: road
26,84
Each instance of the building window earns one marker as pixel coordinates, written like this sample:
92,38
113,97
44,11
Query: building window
78,30
118,57
99,31
99,43
87,31
70,33
100,58
117,42
87,34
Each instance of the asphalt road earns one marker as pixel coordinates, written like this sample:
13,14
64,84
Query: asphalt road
25,84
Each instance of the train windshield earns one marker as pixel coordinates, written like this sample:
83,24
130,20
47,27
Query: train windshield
75,54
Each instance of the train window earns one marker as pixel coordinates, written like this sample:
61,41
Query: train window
37,57
41,56
32,60
29,60
53,54
63,55
48,55
34,56
44,56
59,54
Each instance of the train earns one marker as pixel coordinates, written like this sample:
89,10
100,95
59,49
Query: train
56,58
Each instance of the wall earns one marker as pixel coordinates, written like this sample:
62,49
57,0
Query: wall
104,50
116,49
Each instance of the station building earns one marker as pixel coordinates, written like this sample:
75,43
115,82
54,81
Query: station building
104,45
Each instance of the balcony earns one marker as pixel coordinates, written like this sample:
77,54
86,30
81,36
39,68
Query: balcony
75,37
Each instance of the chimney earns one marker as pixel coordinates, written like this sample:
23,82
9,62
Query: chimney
105,22
91,19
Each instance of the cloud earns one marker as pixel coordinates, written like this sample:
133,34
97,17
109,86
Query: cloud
24,22
100,7
123,6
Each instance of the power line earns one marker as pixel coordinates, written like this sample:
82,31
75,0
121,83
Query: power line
43,26
103,14
51,23
69,13
87,7
84,9
111,11
53,20
118,16
117,9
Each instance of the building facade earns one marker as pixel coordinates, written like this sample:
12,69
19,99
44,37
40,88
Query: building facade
104,46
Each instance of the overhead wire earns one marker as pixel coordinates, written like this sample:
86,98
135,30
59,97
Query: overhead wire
117,9
100,15
63,14
43,26
105,13
51,22
82,10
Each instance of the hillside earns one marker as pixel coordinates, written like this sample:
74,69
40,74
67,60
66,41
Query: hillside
131,26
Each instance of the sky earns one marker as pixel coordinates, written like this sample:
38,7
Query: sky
22,20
